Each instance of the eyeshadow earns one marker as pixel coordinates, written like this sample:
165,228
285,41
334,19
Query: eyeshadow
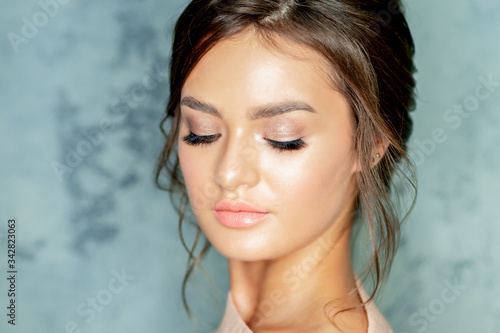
285,127
200,125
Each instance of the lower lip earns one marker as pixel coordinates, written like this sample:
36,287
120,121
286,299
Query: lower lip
239,219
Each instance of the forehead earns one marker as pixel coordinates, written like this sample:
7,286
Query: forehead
248,65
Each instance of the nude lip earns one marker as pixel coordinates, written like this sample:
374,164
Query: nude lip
238,214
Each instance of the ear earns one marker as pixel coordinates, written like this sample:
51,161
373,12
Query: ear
376,155
380,150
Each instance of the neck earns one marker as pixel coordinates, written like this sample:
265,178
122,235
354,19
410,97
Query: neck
292,291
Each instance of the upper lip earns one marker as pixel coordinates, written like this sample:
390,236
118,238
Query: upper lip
237,206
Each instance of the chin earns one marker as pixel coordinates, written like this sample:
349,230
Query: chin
242,244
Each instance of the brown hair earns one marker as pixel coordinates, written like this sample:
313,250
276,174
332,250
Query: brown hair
369,49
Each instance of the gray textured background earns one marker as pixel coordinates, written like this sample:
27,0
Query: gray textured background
77,82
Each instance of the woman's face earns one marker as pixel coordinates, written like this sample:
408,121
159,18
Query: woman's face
260,126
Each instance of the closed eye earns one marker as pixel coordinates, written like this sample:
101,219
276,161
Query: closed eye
197,140
287,145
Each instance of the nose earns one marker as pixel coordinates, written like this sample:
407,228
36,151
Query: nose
238,166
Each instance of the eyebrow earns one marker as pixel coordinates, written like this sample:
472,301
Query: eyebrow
264,111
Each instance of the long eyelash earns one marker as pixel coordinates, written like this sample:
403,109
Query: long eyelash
287,146
195,140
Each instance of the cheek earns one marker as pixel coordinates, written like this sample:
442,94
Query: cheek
197,177
312,186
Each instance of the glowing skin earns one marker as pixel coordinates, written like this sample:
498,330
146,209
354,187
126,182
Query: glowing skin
308,192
